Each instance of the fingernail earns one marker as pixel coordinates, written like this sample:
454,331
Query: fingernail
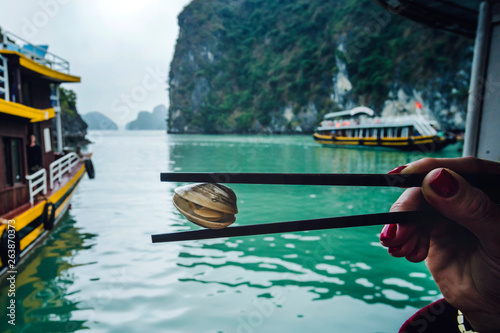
397,170
388,232
445,185
394,249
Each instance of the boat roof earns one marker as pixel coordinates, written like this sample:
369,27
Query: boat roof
458,16
38,68
35,58
355,111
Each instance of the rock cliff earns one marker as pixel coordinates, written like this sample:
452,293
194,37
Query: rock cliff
74,129
274,66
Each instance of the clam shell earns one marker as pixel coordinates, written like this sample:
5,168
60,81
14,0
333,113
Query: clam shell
185,207
212,196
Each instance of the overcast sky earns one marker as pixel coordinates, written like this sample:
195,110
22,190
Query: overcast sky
121,49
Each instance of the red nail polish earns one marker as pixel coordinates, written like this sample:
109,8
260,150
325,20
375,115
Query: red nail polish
388,232
445,185
397,170
394,249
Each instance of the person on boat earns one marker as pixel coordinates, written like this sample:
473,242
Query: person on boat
461,250
34,155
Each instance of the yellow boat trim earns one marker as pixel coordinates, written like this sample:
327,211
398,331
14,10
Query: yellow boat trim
320,136
394,143
31,237
19,110
372,141
41,69
30,215
346,138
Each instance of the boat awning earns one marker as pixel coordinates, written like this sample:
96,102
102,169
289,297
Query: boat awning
38,68
458,16
355,111
19,110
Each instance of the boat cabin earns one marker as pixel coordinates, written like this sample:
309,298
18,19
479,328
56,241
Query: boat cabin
29,101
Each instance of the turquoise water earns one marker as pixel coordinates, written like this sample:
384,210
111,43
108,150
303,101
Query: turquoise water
99,271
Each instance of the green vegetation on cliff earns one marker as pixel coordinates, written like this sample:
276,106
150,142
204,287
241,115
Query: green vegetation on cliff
238,64
73,127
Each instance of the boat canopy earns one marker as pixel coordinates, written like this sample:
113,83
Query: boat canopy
353,112
458,16
23,111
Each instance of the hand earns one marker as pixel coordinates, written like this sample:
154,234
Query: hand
462,250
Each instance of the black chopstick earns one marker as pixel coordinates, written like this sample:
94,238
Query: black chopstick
482,181
302,225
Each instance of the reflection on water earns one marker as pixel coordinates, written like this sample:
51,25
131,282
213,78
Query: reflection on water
43,281
100,271
326,264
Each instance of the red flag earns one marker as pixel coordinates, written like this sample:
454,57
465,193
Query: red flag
418,105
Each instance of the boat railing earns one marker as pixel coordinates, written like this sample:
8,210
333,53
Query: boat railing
419,122
4,79
423,126
61,166
37,183
36,53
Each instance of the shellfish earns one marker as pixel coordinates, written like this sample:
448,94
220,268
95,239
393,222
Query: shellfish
208,205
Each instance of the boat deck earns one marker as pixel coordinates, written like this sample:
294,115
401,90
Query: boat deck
51,193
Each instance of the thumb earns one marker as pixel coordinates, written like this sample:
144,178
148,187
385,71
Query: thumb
459,201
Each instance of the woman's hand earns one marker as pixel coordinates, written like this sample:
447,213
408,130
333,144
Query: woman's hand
462,250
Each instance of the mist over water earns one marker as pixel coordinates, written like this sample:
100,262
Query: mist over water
99,271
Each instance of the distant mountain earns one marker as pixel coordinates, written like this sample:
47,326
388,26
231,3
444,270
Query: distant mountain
98,121
155,120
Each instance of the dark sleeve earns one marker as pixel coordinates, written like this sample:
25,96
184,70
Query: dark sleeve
37,154
30,158
34,156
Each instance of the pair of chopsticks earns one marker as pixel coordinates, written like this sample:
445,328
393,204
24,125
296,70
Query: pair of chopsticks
490,184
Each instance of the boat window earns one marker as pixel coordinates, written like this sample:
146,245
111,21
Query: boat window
13,156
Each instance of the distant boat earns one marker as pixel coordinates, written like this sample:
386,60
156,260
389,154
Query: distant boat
360,128
36,182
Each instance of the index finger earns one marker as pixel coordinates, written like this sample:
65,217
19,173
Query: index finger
459,165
